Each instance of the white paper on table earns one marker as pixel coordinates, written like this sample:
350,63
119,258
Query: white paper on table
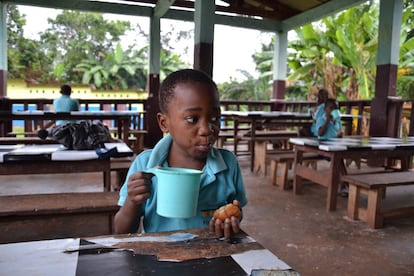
74,155
39,258
259,259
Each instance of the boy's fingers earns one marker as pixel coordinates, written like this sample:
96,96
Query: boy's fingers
211,225
227,228
218,228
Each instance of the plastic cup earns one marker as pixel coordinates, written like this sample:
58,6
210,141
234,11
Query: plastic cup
177,191
335,114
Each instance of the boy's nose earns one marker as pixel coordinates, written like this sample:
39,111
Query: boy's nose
206,127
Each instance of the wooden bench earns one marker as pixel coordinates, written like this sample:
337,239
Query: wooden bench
50,216
260,143
223,136
283,161
374,185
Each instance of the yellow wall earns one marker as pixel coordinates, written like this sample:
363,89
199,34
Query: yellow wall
18,89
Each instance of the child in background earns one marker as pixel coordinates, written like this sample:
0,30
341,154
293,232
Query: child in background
316,114
329,125
65,103
190,116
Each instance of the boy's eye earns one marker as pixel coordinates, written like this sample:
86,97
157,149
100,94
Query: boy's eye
191,119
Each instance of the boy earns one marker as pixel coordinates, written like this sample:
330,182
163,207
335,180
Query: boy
190,115
329,126
65,103
317,114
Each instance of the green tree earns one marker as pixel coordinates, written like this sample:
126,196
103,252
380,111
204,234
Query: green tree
77,36
24,56
405,84
252,88
117,70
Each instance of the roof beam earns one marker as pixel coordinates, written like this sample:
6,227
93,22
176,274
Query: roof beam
162,7
318,13
136,10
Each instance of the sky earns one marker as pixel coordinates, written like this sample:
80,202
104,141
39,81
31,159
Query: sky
233,47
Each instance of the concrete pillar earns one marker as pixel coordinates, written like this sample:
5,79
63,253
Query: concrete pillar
387,65
3,49
153,84
280,67
204,35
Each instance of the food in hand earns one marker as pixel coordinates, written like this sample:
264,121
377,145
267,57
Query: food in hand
228,211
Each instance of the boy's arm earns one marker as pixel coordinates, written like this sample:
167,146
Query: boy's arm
136,192
126,217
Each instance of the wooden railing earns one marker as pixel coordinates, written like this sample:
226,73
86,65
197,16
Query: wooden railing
137,122
359,108
402,114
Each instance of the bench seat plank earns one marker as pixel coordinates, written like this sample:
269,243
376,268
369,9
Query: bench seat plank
51,216
284,161
374,185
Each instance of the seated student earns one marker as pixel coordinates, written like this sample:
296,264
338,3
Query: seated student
316,114
329,125
65,103
190,116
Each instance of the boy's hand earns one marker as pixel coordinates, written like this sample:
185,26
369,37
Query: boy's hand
139,187
226,222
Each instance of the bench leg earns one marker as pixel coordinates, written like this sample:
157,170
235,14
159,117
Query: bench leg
372,214
273,171
282,178
374,217
260,157
353,202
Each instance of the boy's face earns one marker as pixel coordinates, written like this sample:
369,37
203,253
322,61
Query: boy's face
192,119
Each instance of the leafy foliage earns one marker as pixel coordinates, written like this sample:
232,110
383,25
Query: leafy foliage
83,47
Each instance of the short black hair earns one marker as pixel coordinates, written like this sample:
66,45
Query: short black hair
166,92
65,90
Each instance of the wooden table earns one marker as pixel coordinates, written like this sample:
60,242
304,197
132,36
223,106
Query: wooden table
54,159
189,252
338,149
122,118
262,123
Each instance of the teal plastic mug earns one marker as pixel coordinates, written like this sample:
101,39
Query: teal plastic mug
177,191
335,114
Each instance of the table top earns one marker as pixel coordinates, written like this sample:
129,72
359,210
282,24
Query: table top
356,143
189,252
267,114
56,152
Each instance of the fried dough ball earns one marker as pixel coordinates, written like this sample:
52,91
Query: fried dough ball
228,211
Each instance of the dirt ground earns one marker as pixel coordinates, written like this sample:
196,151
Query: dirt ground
296,228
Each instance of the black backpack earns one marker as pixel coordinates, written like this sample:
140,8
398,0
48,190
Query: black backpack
85,135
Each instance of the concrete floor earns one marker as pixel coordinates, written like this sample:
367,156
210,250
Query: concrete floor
296,228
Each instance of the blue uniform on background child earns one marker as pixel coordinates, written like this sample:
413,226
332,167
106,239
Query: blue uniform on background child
329,126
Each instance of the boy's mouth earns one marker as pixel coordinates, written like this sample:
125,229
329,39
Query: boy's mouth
204,147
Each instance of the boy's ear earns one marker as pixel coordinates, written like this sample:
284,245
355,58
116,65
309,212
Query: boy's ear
163,122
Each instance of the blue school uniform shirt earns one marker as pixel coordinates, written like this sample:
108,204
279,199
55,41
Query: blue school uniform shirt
65,104
333,127
221,183
319,113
